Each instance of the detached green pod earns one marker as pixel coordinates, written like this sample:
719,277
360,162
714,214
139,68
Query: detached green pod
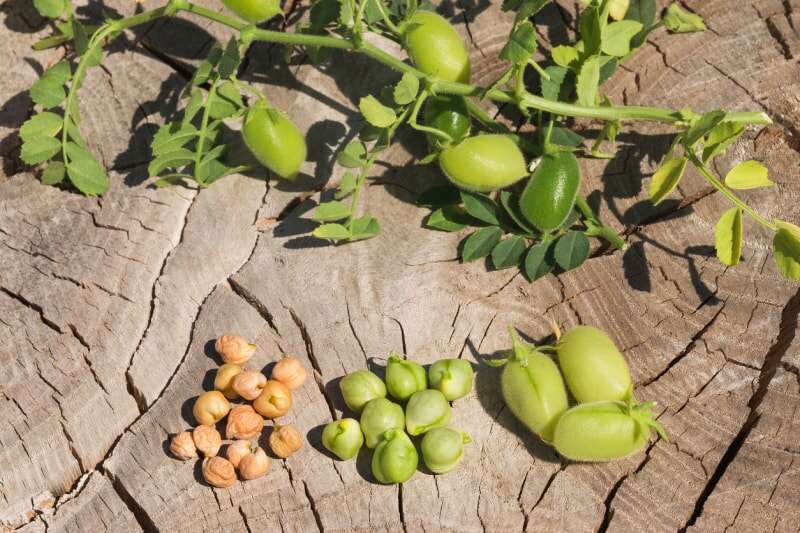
593,366
605,431
442,449
550,194
343,438
451,377
436,48
533,388
395,459
254,11
484,163
379,416
360,387
426,410
404,377
274,140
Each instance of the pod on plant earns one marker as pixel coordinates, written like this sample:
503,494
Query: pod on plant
605,431
532,387
360,387
592,365
550,194
274,140
379,416
442,449
451,377
343,438
436,48
404,377
447,113
395,459
427,409
254,11
484,163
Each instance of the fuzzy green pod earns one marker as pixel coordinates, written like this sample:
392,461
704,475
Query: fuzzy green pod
605,431
360,387
484,163
442,449
451,377
254,10
274,140
343,438
395,459
404,377
379,416
426,410
436,48
532,388
593,367
550,194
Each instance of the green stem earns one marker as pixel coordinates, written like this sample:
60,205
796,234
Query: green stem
201,136
412,120
596,228
735,200
362,177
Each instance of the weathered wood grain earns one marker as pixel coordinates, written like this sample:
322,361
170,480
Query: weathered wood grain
108,307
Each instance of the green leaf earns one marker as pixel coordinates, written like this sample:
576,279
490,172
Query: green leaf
202,73
172,136
565,137
617,37
786,249
728,234
720,137
88,176
81,39
48,91
588,81
332,232
346,186
174,159
50,8
678,20
230,60
376,113
38,149
510,203
539,261
449,218
480,206
618,8
331,211
364,228
565,56
194,105
210,170
643,11
521,44
702,126
226,102
44,124
571,250
508,252
591,29
353,154
560,86
54,173
439,195
524,8
406,89
666,178
480,243
748,175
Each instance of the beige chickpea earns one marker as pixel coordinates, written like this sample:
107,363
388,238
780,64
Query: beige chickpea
254,465
248,384
285,440
234,349
290,372
210,407
223,381
244,423
219,472
182,446
207,439
237,450
274,401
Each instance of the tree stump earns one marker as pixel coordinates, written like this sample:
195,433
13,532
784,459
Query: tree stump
109,306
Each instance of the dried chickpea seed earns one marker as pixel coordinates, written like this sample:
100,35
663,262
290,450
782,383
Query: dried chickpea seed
223,381
234,349
207,439
210,407
237,450
285,440
182,446
275,400
290,372
219,472
244,423
249,383
254,465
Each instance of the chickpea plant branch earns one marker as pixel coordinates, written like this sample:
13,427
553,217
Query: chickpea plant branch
538,224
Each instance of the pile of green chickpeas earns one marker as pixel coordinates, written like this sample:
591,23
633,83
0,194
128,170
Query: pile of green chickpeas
607,423
387,428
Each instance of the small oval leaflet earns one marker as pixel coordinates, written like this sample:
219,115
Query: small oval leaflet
748,175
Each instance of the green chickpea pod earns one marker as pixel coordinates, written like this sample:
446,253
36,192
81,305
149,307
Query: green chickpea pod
274,140
404,377
442,449
254,11
360,387
379,416
484,163
395,459
451,377
343,438
447,113
436,48
426,410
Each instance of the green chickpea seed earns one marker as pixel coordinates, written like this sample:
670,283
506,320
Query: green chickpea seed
343,438
395,459
605,431
360,387
593,366
404,377
442,449
426,410
379,416
451,377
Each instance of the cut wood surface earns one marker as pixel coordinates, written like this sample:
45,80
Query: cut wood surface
109,307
